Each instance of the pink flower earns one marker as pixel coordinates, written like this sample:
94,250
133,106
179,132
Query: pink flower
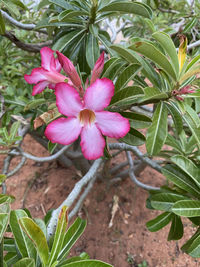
186,90
48,74
86,118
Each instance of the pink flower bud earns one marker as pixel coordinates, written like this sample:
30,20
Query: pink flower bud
186,90
69,69
98,68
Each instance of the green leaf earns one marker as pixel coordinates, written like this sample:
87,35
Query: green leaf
2,25
176,229
68,14
157,132
61,3
67,39
87,263
137,120
51,147
168,45
24,244
26,262
2,178
13,130
151,52
188,167
35,103
127,7
134,138
59,236
181,179
187,208
92,50
152,93
132,57
159,222
4,218
71,236
176,116
171,141
164,201
37,236
11,258
127,96
193,62
109,65
127,75
190,25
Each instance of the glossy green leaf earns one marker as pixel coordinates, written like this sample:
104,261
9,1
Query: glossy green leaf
13,130
68,14
11,258
174,143
137,120
24,244
159,222
176,229
61,3
187,208
4,218
26,262
109,65
37,236
127,7
168,45
2,25
127,96
67,39
9,244
104,41
152,93
59,236
188,167
157,132
132,57
188,244
176,116
87,263
151,52
181,179
92,50
190,25
71,236
193,62
127,75
164,201
134,138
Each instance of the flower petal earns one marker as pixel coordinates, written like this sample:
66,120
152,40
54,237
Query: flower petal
99,94
37,75
67,99
112,124
92,142
47,58
63,131
38,88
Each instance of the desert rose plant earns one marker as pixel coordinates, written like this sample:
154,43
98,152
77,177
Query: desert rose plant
144,91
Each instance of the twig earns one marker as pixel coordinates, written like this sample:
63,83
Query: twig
73,195
28,27
138,153
27,47
41,159
134,179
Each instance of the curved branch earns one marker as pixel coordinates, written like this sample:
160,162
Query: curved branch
40,159
133,177
28,27
27,47
138,153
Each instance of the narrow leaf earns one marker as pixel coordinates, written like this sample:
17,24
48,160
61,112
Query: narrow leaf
176,229
187,208
157,132
159,222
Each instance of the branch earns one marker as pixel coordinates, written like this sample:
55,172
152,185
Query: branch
27,47
138,153
18,24
134,179
40,159
73,195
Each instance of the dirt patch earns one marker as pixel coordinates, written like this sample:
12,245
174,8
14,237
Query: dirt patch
40,187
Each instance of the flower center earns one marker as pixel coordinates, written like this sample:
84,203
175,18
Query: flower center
86,116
